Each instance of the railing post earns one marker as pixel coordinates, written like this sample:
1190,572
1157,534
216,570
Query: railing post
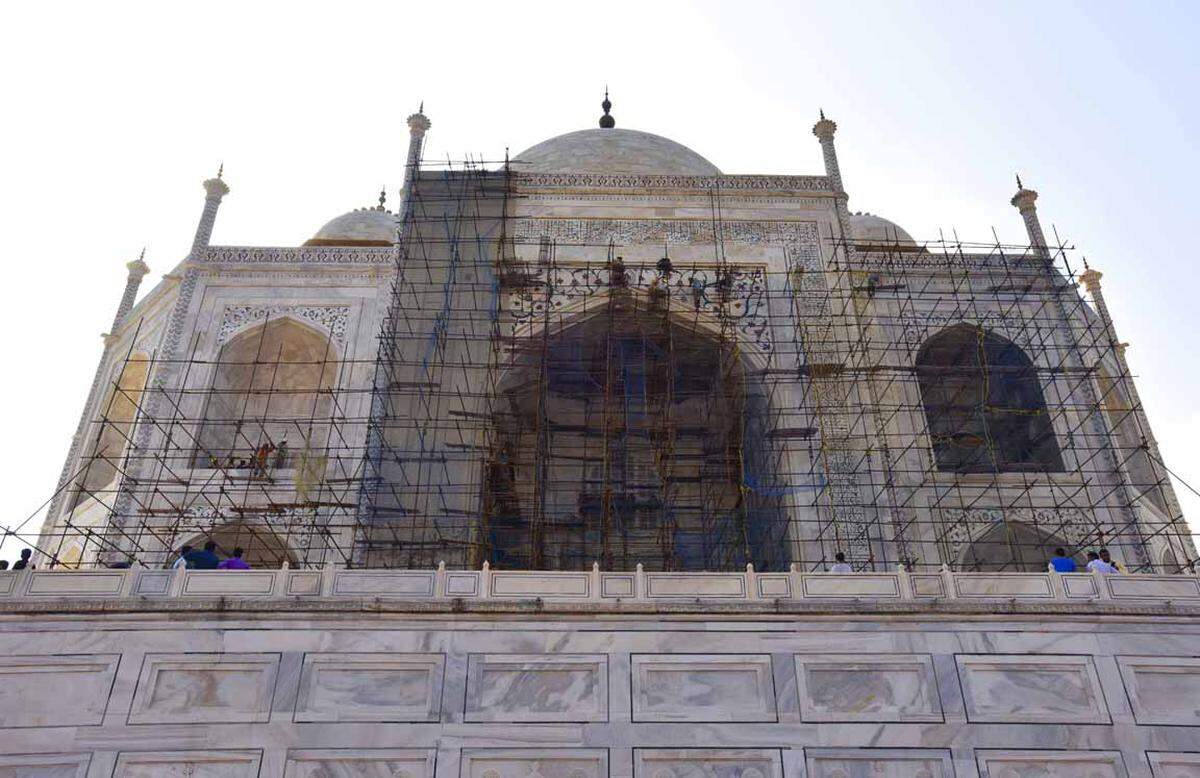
595,581
639,583
948,582
485,581
1058,587
906,585
439,581
1101,585
751,582
327,574
175,587
794,579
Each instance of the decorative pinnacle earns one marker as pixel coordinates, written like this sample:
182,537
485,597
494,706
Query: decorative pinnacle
824,129
822,112
382,196
419,122
220,170
138,267
1019,184
606,121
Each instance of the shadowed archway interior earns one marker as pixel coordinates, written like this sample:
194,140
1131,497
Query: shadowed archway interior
630,439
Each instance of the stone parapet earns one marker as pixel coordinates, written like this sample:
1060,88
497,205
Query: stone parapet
598,588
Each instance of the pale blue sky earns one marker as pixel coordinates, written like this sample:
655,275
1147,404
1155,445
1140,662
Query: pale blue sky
115,112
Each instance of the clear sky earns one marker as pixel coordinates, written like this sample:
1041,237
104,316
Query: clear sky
115,112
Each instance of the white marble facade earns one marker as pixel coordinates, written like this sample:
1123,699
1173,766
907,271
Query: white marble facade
282,689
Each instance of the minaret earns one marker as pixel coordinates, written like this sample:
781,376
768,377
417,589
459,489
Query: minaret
1024,201
824,130
215,189
418,125
137,271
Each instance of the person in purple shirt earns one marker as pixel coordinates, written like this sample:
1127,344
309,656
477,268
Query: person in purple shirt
1062,563
235,562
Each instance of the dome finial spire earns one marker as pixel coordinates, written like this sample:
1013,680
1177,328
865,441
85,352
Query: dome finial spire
606,121
382,197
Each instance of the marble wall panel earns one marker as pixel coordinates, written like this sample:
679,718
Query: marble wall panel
1031,689
703,687
537,687
534,763
45,765
382,583
187,764
1049,764
1162,690
878,763
707,763
360,763
867,687
209,583
526,584
1036,585
1174,765
214,688
833,585
370,687
56,690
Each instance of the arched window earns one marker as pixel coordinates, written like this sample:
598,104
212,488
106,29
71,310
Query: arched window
272,385
261,547
110,436
984,405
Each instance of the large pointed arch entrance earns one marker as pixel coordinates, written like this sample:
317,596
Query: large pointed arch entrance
630,436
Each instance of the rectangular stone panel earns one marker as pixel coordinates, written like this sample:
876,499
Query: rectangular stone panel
187,764
928,585
1026,689
703,687
245,583
878,763
45,765
211,688
524,584
867,687
381,687
1156,587
1174,765
360,763
1027,585
382,583
73,583
541,762
55,691
537,687
1162,689
707,763
1044,764
834,585
719,586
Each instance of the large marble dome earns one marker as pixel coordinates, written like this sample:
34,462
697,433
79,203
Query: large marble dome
612,150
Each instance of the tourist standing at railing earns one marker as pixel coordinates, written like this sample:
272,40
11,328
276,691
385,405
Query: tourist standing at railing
203,560
23,562
235,562
1108,560
1063,563
1097,565
840,565
182,561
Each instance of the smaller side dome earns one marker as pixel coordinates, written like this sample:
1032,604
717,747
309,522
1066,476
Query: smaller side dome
871,231
362,227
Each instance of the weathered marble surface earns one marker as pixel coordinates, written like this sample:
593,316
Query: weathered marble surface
32,689
245,692
703,687
370,687
537,687
875,687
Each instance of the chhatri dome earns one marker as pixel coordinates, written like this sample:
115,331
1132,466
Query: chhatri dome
609,150
869,228
375,226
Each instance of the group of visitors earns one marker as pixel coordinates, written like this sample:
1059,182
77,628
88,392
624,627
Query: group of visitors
20,564
207,559
1098,562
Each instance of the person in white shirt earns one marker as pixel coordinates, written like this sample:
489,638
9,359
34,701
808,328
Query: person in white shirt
181,563
840,565
1097,565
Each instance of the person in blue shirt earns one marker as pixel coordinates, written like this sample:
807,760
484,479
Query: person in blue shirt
1062,563
203,560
